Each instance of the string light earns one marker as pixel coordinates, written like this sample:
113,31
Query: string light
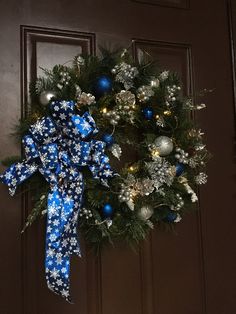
133,168
167,113
155,153
104,110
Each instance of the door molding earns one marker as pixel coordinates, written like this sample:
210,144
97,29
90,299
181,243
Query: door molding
184,52
30,38
231,12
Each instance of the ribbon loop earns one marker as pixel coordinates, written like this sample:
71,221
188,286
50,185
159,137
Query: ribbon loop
62,111
18,173
44,130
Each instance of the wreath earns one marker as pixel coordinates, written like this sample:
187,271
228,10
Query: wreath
111,147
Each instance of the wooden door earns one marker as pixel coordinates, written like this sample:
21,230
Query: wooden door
190,272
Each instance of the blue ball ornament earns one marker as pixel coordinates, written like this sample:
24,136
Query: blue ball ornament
179,168
103,85
108,139
171,216
148,113
107,210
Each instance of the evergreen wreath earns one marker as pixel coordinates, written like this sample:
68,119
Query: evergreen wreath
155,149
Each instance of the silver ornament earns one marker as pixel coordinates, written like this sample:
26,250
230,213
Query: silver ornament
190,105
125,194
199,146
164,145
125,97
201,178
144,93
46,96
144,186
116,150
78,91
178,204
164,75
59,86
155,82
178,218
130,204
172,92
160,122
125,73
109,223
145,212
125,105
86,213
111,115
161,172
86,99
79,61
181,155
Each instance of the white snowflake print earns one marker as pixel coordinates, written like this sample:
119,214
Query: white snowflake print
54,273
64,104
85,126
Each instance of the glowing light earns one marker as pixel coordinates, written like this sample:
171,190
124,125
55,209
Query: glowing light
167,113
155,153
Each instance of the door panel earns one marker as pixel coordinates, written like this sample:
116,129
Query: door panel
190,272
165,249
43,47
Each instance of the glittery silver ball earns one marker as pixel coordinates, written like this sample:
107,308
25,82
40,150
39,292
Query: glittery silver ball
145,212
155,82
46,96
164,145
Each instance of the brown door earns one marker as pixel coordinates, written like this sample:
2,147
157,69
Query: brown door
190,272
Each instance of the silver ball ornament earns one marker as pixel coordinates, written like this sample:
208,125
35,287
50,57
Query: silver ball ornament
164,145
155,82
113,122
46,96
145,212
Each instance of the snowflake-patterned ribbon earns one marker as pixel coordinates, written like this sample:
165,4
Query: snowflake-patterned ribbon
58,147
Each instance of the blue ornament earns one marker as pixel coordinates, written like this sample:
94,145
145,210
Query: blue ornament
171,216
108,139
179,168
107,210
148,113
103,85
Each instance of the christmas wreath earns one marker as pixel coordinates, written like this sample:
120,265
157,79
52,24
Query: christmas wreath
115,141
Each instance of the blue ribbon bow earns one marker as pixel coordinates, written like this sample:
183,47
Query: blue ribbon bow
58,148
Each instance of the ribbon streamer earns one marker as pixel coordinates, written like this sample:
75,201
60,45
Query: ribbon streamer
59,147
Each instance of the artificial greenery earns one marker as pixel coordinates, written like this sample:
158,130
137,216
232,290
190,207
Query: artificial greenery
134,136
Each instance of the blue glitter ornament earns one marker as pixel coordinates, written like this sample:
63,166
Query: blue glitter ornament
171,216
179,168
148,113
108,139
103,85
107,210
